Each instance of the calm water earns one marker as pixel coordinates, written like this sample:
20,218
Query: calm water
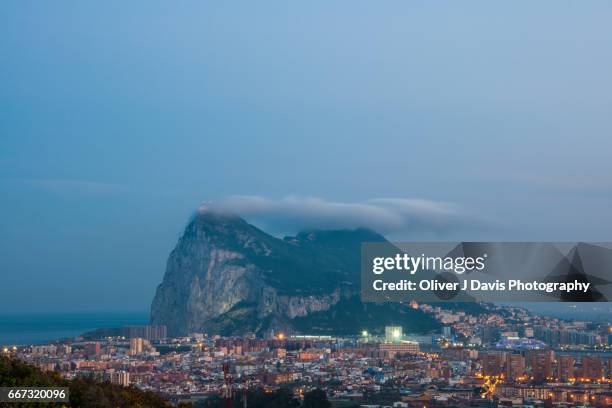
41,328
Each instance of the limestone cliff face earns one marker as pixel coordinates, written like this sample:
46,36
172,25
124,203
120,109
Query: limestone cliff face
226,276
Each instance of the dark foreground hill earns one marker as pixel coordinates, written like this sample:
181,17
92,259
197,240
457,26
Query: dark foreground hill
228,277
86,393
83,393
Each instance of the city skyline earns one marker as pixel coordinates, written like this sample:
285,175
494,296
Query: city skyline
496,355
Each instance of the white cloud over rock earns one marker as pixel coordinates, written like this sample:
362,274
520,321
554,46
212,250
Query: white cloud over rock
384,215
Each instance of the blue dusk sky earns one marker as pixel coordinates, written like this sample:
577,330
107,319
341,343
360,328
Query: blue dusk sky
425,120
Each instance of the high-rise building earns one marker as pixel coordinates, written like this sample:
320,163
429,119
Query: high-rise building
120,377
489,334
555,336
136,346
565,367
64,349
541,364
515,366
493,363
592,368
156,332
392,349
149,332
393,334
92,349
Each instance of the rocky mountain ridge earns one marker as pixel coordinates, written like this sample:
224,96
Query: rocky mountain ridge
227,277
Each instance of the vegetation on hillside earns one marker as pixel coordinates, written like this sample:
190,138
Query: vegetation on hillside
84,393
350,316
88,393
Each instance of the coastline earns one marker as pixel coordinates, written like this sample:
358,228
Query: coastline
40,328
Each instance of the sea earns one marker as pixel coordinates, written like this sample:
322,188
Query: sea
29,329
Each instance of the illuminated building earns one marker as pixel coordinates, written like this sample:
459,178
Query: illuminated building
403,347
393,334
592,368
493,363
515,366
120,377
565,367
541,364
